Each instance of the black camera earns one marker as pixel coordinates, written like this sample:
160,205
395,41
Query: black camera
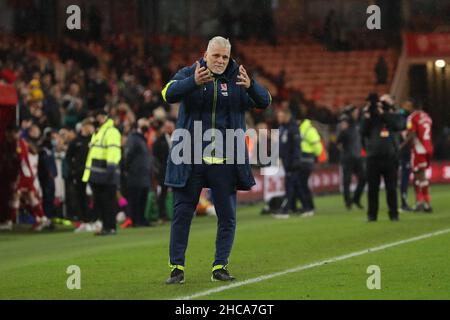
374,103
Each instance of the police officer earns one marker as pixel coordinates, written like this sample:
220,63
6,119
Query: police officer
311,148
215,92
102,171
380,126
352,162
289,136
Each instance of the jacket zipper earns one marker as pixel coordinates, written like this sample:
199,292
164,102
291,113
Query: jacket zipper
214,118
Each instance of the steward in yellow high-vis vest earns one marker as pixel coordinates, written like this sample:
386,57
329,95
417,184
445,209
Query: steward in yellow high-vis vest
102,172
102,163
311,148
311,143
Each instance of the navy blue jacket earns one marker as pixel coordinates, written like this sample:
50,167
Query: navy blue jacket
230,110
290,145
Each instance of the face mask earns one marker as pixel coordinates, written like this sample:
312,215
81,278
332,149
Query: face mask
54,143
144,129
96,124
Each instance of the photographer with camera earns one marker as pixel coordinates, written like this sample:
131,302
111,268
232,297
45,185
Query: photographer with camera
380,127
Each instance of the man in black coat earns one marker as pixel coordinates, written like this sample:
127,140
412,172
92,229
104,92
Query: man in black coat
350,145
47,172
76,158
290,157
381,126
161,148
138,173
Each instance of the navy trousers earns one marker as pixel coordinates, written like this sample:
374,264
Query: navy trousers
305,192
292,188
221,179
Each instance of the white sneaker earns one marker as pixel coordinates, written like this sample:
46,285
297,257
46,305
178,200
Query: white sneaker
84,227
97,226
281,216
41,223
308,214
121,217
7,226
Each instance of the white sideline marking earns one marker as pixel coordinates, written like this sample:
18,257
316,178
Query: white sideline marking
312,265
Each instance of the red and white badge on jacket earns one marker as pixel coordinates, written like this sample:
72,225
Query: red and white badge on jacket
384,133
224,89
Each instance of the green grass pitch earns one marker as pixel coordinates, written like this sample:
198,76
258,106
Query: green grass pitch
133,265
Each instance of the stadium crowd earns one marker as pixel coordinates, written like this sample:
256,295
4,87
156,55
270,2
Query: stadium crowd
62,89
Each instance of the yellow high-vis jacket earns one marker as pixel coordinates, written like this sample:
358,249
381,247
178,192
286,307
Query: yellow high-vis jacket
311,143
102,163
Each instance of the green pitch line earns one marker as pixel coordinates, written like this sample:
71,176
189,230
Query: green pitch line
133,265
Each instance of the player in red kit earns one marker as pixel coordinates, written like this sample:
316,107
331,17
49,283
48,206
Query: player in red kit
419,138
25,191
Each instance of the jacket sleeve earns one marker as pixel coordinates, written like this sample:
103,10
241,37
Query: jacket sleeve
258,96
313,138
113,150
181,84
296,141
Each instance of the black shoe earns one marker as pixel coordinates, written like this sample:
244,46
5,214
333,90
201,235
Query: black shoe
221,275
406,208
105,233
427,208
176,277
394,219
371,219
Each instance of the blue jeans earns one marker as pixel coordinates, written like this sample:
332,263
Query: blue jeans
221,179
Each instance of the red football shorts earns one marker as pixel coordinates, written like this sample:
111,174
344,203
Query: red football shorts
420,161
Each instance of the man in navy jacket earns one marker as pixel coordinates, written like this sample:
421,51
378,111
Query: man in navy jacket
214,92
290,156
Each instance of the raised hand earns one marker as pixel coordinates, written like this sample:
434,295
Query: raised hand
243,78
202,75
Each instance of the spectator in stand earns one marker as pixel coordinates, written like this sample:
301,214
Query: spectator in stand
52,106
381,71
149,104
97,90
73,106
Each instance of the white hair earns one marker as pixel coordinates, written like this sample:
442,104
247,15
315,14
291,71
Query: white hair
220,42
